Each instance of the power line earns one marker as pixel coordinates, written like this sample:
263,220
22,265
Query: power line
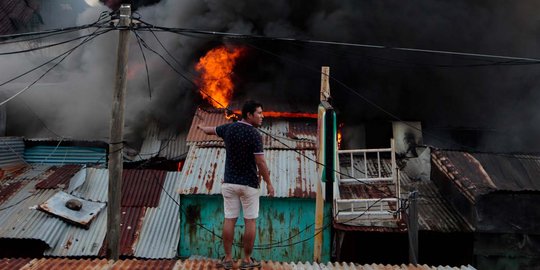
347,44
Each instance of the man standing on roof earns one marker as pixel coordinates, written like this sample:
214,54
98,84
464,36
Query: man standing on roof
240,188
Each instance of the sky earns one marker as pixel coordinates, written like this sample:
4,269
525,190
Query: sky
463,102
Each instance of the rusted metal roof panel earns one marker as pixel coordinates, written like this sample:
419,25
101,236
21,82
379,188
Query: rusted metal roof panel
159,234
68,264
511,172
60,178
475,174
21,220
292,173
9,188
142,187
147,264
11,152
207,118
435,213
200,263
131,223
277,133
13,263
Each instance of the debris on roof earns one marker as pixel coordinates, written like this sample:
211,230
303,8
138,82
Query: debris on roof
58,205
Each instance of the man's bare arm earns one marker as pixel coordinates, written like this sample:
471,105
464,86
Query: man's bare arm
207,130
265,173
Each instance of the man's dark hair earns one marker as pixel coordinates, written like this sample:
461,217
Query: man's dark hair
250,107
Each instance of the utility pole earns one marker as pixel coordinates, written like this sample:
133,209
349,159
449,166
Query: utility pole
117,137
319,200
413,227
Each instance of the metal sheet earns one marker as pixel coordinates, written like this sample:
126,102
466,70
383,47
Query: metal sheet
61,155
285,229
159,234
131,223
293,173
142,187
199,263
76,241
11,152
174,148
435,213
21,220
60,177
56,205
95,187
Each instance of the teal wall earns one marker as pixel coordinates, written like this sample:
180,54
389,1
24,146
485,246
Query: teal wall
286,222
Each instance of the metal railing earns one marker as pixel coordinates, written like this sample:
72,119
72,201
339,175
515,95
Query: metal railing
367,167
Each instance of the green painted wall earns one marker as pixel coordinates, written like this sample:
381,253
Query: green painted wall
288,223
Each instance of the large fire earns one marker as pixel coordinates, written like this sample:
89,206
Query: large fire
216,69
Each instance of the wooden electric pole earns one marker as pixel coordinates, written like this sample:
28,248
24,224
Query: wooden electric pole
319,200
413,227
117,136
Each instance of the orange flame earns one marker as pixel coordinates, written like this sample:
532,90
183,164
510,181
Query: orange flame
216,68
339,135
283,114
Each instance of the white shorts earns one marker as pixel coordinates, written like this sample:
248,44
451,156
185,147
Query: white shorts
240,196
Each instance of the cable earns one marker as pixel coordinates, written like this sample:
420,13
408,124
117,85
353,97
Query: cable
348,44
145,63
57,30
45,46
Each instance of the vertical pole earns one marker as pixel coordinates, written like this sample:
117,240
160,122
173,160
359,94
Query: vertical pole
413,228
116,138
319,200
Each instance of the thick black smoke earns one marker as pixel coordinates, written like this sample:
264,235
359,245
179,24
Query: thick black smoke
462,102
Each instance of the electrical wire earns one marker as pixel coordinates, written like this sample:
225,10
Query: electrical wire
145,63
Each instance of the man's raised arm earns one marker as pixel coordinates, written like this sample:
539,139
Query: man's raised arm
207,130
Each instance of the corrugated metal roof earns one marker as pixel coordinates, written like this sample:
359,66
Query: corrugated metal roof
96,185
142,187
434,212
175,147
292,173
61,155
11,152
21,220
76,241
165,143
102,264
60,177
130,225
159,234
285,133
13,263
476,174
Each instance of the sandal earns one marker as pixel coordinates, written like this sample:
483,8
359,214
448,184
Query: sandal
249,265
224,264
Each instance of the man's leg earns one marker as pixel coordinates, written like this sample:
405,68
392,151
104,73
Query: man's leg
228,236
231,209
250,205
249,237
